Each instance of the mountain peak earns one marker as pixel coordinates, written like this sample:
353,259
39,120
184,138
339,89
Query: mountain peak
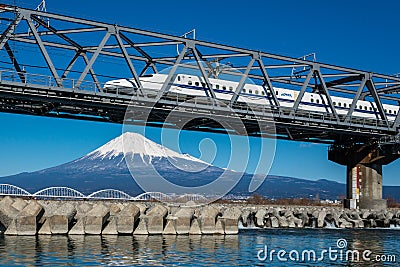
136,144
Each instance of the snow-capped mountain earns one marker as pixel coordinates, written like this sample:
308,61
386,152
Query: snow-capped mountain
106,167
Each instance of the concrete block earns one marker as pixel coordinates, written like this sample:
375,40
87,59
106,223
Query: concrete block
220,227
207,219
259,218
274,222
115,208
321,219
82,210
231,218
78,228
141,207
19,204
156,218
6,201
170,227
305,220
126,219
28,219
291,222
195,228
365,214
96,218
45,229
141,229
183,220
111,227
7,212
283,222
245,216
62,218
12,228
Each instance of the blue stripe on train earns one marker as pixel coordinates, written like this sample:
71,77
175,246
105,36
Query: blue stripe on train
280,99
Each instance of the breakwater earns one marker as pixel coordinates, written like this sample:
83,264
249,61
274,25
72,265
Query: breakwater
20,216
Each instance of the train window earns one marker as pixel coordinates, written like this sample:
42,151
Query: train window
250,91
217,86
344,105
268,94
385,110
334,103
365,107
256,92
230,88
262,92
179,78
189,82
317,101
244,90
312,100
196,83
339,104
276,92
203,84
390,111
370,108
224,87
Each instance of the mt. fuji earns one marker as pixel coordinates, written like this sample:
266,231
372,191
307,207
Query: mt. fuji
106,167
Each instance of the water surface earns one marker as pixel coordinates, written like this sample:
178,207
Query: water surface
238,250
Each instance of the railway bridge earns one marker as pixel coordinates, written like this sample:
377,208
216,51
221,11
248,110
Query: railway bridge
55,65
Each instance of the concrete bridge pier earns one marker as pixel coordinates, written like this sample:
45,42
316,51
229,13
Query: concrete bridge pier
364,187
364,172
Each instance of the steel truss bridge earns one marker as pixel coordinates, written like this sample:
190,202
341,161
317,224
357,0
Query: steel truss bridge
56,65
66,193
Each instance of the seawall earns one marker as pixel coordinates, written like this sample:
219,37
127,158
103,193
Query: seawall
20,216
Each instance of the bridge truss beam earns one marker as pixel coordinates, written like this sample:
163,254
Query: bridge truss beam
66,93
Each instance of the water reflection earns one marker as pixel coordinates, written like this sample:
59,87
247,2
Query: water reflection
239,250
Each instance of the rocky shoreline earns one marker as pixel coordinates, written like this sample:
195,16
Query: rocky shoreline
20,216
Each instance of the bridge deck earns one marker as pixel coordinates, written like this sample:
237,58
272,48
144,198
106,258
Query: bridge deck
43,83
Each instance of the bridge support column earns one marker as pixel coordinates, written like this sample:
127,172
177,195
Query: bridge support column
364,187
364,173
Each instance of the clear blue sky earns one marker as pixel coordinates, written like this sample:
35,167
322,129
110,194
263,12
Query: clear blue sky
358,34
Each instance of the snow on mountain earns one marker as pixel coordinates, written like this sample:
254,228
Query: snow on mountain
136,144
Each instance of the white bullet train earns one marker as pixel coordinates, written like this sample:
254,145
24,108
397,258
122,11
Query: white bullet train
195,86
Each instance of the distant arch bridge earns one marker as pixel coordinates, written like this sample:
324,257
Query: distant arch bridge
104,194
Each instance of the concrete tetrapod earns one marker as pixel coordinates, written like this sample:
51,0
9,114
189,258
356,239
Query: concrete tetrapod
231,217
7,212
207,219
27,220
156,219
183,222
96,218
60,222
127,218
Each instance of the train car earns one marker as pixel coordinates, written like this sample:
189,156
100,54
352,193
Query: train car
192,85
